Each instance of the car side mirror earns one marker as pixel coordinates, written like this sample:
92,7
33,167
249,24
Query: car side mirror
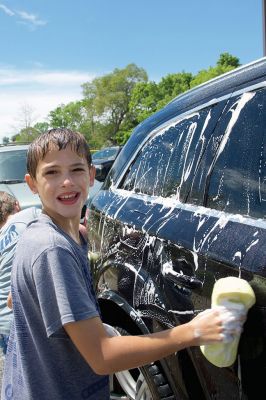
102,170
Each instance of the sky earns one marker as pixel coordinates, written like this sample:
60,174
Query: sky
49,48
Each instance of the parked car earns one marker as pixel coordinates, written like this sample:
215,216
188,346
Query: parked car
183,205
12,172
107,153
13,159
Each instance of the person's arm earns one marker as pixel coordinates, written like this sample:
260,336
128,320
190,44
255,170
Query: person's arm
9,301
83,231
107,355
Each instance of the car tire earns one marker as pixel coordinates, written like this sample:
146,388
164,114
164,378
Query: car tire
144,383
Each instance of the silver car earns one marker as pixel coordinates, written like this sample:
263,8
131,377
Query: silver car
12,173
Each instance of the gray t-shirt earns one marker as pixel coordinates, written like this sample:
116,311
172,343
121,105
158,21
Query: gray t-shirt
51,286
9,235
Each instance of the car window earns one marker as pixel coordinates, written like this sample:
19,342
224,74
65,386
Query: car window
148,171
13,165
166,164
237,182
105,153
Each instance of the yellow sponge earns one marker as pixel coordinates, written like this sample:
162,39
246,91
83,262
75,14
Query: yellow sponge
234,294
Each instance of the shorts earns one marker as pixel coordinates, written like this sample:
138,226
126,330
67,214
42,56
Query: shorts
3,342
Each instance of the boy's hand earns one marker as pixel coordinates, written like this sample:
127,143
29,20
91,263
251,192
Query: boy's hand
218,324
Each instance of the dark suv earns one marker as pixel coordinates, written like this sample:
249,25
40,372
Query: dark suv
184,205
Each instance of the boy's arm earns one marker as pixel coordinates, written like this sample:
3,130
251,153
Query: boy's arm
107,354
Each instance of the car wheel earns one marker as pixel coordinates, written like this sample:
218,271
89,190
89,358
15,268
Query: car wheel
145,383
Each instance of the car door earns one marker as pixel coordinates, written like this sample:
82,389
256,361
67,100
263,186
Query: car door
161,174
232,234
220,231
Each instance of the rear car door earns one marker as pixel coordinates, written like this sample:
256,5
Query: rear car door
219,231
232,233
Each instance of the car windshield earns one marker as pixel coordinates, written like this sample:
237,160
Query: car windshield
105,153
13,165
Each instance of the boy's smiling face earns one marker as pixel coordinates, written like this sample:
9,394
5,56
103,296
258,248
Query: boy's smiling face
62,182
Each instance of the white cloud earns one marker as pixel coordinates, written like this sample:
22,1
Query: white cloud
11,76
7,10
23,17
41,90
31,18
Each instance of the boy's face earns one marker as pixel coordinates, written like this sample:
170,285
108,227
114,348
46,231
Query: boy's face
62,182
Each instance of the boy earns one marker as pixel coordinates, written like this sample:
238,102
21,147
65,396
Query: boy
58,347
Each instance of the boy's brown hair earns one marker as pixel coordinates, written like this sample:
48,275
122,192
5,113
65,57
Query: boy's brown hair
58,138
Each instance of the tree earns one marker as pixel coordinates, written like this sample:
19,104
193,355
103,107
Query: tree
5,140
41,127
144,100
115,103
109,97
79,116
150,97
27,135
26,131
69,116
172,85
225,63
26,116
227,60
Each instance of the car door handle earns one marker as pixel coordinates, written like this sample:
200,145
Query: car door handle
138,212
183,280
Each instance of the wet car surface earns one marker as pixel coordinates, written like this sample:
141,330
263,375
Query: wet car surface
184,205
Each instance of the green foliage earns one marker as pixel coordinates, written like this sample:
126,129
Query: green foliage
225,64
144,100
69,116
27,135
173,85
114,104
41,127
14,138
122,137
97,135
227,60
150,97
109,97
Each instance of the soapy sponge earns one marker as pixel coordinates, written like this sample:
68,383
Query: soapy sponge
237,296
